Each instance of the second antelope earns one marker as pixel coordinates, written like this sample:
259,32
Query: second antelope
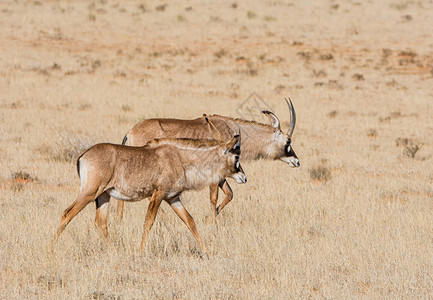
259,141
162,170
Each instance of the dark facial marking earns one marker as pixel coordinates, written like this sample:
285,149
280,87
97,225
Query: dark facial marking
289,153
238,167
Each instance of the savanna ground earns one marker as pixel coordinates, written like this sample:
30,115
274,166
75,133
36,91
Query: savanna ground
355,220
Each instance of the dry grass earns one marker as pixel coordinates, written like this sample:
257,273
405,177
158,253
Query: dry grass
359,74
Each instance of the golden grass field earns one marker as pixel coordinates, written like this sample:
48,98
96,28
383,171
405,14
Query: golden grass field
354,221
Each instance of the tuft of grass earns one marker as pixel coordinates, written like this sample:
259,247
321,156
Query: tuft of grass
20,179
220,53
126,107
358,77
161,7
320,173
327,56
21,175
215,19
269,18
66,149
142,7
332,114
251,15
372,133
181,18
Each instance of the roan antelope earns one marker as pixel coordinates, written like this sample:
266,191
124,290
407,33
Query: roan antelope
259,141
162,170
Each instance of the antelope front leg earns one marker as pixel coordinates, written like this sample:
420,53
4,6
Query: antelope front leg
152,209
228,195
120,205
184,215
213,189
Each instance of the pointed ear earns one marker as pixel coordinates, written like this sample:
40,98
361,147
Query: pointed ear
234,145
273,119
213,130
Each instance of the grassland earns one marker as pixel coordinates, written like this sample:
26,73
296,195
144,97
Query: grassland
354,221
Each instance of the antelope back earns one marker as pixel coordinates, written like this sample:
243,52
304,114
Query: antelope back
150,129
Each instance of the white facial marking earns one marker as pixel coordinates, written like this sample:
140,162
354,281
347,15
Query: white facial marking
240,178
288,148
292,161
237,165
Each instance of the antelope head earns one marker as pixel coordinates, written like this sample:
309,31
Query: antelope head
280,147
230,151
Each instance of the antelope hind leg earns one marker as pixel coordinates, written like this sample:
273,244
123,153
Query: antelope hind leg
68,214
102,209
119,214
152,209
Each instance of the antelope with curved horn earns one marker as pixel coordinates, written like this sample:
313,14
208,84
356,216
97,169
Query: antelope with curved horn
260,141
162,170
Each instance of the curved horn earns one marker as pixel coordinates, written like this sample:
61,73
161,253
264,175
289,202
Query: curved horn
292,117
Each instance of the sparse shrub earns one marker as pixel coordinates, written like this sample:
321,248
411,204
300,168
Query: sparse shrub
372,133
96,64
67,148
142,7
84,106
304,54
21,175
386,52
410,147
126,107
319,73
181,18
19,179
279,88
328,56
392,115
220,53
407,18
215,19
407,57
56,66
320,173
333,114
251,15
251,69
333,84
358,77
269,18
161,7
